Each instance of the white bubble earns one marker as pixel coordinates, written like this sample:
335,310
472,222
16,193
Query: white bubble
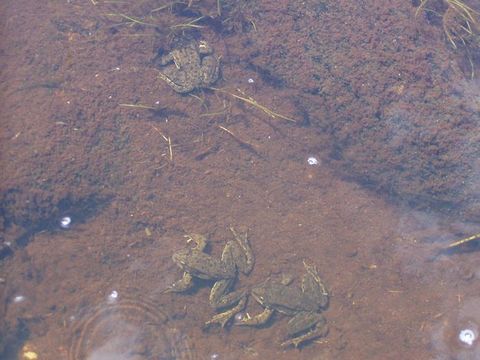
112,297
467,336
239,316
65,222
214,356
312,161
250,81
18,299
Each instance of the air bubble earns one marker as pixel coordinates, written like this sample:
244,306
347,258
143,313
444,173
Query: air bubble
112,297
18,299
65,222
312,160
239,317
467,336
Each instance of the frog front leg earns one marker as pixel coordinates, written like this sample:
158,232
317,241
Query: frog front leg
186,282
258,319
210,68
238,253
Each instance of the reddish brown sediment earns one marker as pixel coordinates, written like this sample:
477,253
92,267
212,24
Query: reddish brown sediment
380,99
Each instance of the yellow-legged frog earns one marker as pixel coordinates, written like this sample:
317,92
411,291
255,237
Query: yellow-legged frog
194,66
303,304
237,256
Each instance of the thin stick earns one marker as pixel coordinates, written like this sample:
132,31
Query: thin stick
132,19
420,7
189,24
240,141
212,114
464,241
253,102
138,106
163,7
170,151
168,140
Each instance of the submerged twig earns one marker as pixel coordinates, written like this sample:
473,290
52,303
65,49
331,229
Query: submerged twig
464,241
253,102
168,141
131,19
242,142
190,24
138,106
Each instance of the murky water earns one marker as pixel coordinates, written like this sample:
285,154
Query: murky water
341,134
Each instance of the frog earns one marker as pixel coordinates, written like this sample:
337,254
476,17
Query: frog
194,66
237,256
303,304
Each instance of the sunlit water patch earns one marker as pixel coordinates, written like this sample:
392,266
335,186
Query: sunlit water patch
128,330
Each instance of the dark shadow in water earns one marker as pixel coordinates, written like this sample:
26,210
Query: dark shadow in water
14,341
467,248
268,77
47,218
470,247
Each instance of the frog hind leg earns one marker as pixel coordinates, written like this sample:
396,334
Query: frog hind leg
241,252
177,80
313,286
221,297
314,323
223,317
210,69
182,285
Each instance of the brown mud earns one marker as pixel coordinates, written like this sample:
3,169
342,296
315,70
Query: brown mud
383,102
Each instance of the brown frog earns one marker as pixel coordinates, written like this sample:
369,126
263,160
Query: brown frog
303,304
194,66
236,257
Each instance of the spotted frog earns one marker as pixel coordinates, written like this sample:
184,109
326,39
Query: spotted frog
236,256
303,304
194,66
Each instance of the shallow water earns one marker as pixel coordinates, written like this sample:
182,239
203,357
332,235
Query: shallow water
380,99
